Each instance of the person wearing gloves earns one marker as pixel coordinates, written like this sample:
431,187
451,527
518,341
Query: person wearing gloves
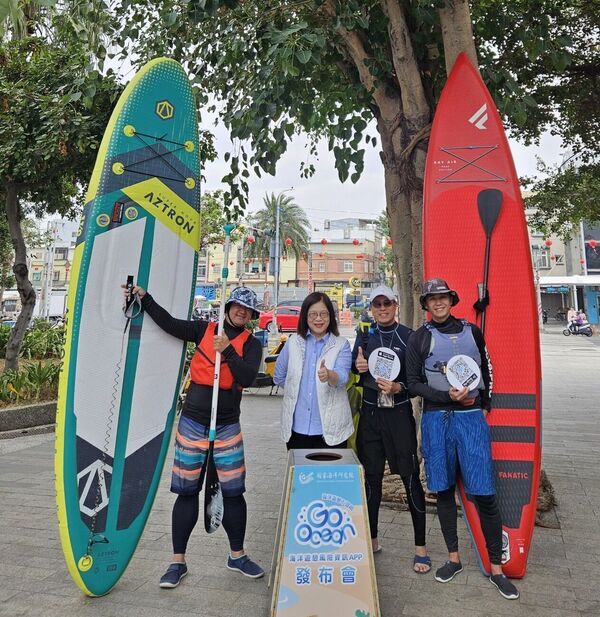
455,434
386,429
241,354
313,367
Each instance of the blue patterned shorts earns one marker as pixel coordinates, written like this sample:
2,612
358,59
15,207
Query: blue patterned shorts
459,436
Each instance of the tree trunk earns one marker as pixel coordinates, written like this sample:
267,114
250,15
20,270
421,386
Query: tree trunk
24,287
457,32
404,150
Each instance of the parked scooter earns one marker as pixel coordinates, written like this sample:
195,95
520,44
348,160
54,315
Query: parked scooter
585,329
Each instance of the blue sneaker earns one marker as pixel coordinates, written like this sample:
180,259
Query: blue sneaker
246,566
504,586
172,577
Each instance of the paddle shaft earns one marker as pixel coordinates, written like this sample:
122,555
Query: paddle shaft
489,204
221,321
486,272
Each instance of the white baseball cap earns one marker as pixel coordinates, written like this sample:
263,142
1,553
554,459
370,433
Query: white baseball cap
383,290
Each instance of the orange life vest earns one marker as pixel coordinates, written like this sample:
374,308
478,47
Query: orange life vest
202,368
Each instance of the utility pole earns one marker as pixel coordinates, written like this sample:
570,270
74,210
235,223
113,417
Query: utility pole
310,284
276,271
46,288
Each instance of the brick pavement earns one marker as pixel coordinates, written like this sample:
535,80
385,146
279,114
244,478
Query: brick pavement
563,578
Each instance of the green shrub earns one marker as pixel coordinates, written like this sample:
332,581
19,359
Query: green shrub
42,377
34,381
356,311
43,341
14,386
4,334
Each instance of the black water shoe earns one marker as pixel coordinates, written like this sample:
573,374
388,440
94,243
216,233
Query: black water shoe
448,571
504,586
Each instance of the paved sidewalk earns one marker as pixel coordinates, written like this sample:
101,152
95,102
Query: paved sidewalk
563,579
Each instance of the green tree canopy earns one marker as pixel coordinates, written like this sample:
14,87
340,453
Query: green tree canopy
293,224
213,217
567,195
336,69
53,109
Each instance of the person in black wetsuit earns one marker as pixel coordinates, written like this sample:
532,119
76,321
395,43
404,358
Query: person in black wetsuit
455,434
386,429
240,361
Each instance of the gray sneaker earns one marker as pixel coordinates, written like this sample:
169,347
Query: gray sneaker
448,571
504,586
246,566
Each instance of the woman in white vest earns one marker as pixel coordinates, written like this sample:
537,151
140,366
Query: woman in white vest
313,367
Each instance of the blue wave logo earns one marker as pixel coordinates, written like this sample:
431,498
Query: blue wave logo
321,525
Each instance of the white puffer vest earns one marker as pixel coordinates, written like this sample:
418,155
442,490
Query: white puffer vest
336,416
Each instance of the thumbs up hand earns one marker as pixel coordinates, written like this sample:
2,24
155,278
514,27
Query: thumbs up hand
362,366
323,372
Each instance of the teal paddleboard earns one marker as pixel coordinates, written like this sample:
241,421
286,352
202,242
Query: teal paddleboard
119,379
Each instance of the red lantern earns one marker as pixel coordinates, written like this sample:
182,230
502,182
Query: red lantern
593,243
389,242
582,261
355,242
548,243
250,239
360,256
553,257
212,265
323,241
288,242
319,254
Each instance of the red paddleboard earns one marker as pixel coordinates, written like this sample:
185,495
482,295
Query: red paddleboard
469,153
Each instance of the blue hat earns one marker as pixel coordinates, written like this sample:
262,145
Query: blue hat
244,296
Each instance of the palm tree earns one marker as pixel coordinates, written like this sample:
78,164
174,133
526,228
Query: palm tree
293,224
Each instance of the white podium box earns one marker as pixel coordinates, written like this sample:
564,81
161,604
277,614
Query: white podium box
323,561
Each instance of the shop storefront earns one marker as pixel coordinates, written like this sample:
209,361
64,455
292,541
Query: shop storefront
580,292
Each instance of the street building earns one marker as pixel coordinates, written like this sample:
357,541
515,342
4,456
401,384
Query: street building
49,268
567,272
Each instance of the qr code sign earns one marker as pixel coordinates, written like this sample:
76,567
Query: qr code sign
384,365
463,372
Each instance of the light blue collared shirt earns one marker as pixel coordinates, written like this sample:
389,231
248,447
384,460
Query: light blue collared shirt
307,417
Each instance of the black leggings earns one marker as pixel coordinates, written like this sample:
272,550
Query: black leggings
185,516
489,516
416,503
298,441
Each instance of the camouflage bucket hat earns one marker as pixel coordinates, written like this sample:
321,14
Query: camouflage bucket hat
244,296
437,286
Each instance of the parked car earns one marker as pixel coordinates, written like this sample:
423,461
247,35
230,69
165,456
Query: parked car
287,319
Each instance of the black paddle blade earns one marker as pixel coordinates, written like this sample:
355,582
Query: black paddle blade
489,203
213,497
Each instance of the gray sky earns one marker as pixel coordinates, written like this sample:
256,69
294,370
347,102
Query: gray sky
323,196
